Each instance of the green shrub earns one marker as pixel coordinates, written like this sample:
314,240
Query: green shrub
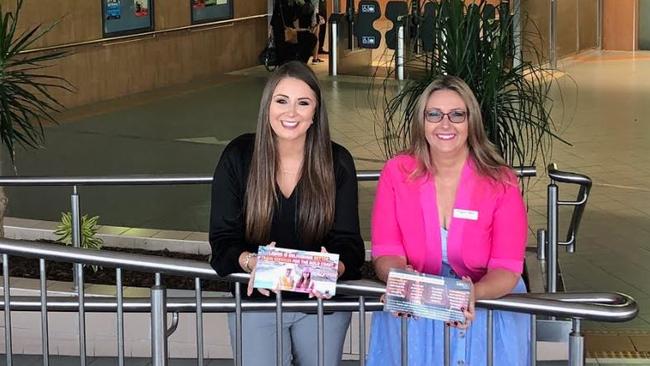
89,239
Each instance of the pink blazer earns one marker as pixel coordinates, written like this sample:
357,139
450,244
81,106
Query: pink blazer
488,228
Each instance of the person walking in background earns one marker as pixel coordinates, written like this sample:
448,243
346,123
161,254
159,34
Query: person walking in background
322,12
287,14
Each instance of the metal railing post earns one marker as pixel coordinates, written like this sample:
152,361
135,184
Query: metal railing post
362,331
542,244
400,51
599,25
76,226
120,316
553,35
490,337
552,233
278,328
7,309
79,272
45,345
516,30
333,42
321,331
238,326
533,339
198,293
158,325
576,345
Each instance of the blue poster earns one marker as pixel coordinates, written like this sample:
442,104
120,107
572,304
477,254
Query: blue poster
113,9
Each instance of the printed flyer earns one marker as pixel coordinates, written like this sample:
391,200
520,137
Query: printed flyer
295,270
426,296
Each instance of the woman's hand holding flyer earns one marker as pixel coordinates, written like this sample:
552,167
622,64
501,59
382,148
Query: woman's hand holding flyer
251,280
281,269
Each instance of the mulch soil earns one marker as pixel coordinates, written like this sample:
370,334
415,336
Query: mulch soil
58,271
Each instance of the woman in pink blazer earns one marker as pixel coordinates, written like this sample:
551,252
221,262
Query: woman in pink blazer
450,206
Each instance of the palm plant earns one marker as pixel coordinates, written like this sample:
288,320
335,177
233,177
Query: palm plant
513,93
26,101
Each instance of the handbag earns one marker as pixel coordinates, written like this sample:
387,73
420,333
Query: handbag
269,55
290,35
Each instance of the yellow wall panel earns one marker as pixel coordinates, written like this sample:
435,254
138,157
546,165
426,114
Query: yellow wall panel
117,68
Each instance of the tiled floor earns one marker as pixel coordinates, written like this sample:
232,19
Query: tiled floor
183,130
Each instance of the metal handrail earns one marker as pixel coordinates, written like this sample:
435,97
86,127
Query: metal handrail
168,179
608,307
567,177
133,180
617,308
580,203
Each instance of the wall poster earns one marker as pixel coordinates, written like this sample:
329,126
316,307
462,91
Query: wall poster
121,17
211,10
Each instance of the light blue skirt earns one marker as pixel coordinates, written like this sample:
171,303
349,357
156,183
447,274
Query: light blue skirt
468,347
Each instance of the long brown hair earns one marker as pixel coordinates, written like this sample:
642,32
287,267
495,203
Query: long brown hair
316,188
484,154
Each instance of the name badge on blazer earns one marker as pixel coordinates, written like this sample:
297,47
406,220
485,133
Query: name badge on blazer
465,214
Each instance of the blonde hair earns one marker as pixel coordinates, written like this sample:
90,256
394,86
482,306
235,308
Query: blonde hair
485,155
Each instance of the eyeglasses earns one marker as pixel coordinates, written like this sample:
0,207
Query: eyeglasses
436,115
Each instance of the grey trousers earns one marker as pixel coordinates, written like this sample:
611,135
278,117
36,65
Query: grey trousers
299,338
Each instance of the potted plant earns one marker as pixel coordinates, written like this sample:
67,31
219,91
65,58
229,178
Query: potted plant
475,42
26,101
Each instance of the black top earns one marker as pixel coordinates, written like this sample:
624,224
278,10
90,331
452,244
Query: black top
283,14
227,212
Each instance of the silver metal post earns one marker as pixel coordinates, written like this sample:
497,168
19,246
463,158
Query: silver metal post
278,328
399,52
76,226
321,332
490,337
158,326
405,341
516,25
577,26
552,233
576,345
542,246
79,271
199,320
333,49
362,331
336,6
599,25
120,316
44,328
447,345
238,326
7,309
533,339
553,35
158,279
